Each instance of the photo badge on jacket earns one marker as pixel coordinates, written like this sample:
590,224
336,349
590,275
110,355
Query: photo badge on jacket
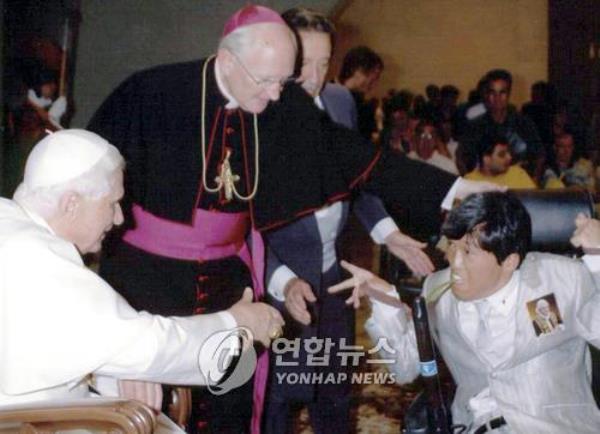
545,315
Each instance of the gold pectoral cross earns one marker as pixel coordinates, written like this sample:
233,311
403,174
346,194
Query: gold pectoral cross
227,178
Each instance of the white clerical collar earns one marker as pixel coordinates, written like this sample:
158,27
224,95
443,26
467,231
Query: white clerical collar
231,101
503,300
36,218
319,102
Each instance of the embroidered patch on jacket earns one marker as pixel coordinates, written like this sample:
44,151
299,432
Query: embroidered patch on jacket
544,314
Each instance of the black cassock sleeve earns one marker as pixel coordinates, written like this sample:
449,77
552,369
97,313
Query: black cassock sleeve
412,192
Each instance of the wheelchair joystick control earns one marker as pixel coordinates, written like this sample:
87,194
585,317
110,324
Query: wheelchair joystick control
437,413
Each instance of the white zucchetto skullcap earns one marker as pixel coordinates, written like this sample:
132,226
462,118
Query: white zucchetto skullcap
62,156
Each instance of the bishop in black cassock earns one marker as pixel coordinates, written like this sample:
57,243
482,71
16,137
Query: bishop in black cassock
187,250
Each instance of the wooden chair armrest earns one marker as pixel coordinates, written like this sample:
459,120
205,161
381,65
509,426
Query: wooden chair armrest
180,406
130,417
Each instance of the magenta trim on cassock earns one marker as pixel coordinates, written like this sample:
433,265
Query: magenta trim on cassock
212,235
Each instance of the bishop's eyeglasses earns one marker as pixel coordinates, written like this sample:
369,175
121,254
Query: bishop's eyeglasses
264,83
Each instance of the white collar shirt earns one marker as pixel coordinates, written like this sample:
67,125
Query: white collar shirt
501,325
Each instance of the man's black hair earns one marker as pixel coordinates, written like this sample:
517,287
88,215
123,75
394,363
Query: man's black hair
498,74
449,91
305,19
499,221
399,101
432,91
429,121
577,149
359,58
487,144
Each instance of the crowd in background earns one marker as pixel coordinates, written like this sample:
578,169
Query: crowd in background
543,144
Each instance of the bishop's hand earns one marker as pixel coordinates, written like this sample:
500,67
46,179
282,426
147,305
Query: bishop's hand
410,251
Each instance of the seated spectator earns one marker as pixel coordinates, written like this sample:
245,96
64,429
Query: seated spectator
429,147
511,374
396,133
449,105
494,165
434,98
60,321
419,106
566,118
540,109
567,167
501,118
447,136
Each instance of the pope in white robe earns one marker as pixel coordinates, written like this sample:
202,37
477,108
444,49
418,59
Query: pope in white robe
59,321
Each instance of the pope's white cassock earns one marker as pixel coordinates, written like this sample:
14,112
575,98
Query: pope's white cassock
60,322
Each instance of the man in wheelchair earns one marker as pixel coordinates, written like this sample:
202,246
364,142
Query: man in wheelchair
512,374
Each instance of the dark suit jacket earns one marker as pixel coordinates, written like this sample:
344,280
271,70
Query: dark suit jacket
299,246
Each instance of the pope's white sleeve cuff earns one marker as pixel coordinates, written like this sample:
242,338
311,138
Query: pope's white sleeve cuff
592,262
105,385
279,279
449,199
228,319
382,229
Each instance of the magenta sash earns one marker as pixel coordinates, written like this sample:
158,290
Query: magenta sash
212,235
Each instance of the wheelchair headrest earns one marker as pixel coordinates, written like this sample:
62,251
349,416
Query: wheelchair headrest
553,215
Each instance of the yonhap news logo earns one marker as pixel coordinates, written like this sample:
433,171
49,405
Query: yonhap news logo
227,360
312,378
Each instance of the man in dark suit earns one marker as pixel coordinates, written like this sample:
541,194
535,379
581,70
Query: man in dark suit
302,259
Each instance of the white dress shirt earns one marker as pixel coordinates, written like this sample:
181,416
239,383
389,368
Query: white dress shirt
501,325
